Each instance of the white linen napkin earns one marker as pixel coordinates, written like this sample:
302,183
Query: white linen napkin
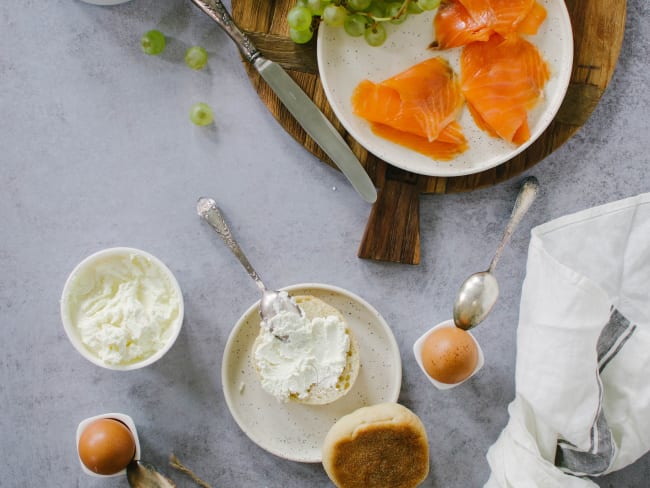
582,402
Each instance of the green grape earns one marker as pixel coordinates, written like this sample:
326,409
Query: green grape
428,4
377,9
299,18
153,42
394,10
334,15
316,6
196,57
301,36
375,35
201,114
358,5
414,8
355,24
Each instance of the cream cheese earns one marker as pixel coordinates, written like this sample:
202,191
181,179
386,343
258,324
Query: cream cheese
314,352
123,308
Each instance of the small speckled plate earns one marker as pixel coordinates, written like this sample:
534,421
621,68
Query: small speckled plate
295,431
344,61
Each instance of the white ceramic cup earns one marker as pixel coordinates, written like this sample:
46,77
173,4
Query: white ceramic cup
417,351
126,420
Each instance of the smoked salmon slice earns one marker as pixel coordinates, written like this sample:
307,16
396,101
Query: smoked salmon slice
459,22
450,144
502,79
422,100
416,108
454,26
530,24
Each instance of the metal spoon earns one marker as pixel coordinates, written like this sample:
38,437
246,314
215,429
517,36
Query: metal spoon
145,475
272,302
479,292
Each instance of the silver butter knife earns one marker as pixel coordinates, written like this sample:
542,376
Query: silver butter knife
297,102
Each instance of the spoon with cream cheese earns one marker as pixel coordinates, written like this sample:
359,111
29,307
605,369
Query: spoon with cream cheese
272,302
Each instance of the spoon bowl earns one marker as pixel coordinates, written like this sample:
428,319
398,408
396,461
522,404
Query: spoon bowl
274,302
475,299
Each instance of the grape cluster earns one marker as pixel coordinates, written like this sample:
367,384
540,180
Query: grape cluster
357,17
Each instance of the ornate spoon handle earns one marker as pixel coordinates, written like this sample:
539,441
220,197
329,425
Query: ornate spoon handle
207,208
527,194
217,11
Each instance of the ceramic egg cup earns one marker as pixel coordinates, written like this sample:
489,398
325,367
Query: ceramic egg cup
72,331
417,351
126,420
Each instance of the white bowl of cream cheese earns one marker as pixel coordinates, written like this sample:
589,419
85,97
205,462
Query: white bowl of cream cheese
122,308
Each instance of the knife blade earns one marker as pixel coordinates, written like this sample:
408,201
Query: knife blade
308,115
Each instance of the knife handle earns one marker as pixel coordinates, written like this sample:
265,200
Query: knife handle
217,12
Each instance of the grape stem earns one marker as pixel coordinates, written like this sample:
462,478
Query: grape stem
399,13
376,20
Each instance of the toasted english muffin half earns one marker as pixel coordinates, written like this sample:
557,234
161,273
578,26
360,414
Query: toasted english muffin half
318,394
380,446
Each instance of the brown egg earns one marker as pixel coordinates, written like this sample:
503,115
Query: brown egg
449,355
106,446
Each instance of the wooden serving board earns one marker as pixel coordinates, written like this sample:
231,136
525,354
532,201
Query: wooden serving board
392,232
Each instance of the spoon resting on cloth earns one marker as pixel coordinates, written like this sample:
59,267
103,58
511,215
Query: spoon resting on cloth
272,302
479,292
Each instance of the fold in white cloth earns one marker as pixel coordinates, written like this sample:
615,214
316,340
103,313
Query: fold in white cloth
582,402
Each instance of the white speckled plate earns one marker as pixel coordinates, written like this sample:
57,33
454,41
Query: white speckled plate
344,61
295,431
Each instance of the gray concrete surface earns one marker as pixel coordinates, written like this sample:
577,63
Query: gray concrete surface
96,151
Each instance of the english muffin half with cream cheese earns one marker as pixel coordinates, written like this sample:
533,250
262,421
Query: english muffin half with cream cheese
381,446
312,359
